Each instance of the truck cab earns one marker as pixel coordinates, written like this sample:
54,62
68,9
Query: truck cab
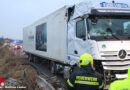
102,30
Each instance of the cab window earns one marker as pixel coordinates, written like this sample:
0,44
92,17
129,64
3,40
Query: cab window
80,29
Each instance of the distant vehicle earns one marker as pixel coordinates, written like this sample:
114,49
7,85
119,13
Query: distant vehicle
100,28
17,44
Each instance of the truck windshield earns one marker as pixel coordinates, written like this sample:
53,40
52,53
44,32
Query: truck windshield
109,28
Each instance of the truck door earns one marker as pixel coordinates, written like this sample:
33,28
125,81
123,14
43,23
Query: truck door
80,37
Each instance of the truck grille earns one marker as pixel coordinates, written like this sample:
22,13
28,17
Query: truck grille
112,61
113,55
116,65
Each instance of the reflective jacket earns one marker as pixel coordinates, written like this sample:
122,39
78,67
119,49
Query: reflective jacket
121,84
84,79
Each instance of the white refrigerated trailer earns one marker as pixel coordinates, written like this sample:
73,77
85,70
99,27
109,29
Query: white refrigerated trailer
47,37
97,27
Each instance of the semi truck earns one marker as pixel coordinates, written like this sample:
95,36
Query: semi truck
100,28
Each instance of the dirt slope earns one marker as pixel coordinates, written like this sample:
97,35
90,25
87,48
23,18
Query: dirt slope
14,67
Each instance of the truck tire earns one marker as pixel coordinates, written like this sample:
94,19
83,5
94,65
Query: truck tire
35,60
49,65
53,67
30,58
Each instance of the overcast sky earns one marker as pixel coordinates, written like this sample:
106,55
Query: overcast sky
16,14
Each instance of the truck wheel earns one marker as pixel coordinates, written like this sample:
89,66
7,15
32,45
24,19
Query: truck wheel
53,67
49,65
30,58
35,59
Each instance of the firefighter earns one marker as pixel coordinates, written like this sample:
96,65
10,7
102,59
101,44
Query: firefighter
121,84
85,78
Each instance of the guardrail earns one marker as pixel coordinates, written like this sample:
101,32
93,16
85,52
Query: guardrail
44,84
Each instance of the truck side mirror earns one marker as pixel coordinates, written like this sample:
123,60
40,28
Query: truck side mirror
94,20
84,37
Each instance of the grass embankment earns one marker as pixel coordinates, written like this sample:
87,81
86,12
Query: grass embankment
12,66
